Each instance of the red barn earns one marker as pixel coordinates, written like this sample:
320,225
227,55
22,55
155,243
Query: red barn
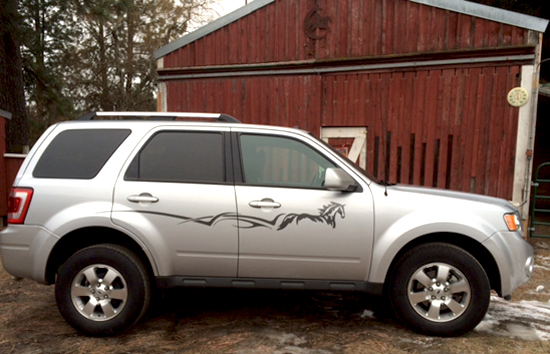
418,91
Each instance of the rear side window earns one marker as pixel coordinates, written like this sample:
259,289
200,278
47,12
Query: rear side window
192,157
79,153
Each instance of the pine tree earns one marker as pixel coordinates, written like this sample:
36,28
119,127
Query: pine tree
12,95
47,28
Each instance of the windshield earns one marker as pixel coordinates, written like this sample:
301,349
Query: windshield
366,173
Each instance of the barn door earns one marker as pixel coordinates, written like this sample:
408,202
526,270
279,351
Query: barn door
350,141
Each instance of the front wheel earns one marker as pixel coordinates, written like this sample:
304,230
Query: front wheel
102,290
439,289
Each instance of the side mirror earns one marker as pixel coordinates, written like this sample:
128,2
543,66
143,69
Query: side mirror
337,179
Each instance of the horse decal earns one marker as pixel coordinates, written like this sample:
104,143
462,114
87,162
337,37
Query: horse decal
327,215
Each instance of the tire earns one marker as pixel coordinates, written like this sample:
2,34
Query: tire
102,290
439,289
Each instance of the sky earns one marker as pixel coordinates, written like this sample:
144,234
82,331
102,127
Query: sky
227,6
219,9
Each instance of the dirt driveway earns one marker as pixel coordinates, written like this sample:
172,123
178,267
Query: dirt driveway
274,322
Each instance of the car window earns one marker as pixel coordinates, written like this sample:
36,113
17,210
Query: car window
281,161
79,153
180,157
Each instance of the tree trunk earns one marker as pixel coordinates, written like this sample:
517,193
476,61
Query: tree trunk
12,94
104,94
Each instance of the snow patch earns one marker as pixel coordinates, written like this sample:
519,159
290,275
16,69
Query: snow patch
286,338
299,350
543,259
541,267
290,343
368,314
543,245
527,320
426,341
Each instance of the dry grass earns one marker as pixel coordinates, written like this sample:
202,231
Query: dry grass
224,321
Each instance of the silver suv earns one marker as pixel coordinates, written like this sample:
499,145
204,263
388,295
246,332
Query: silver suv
109,210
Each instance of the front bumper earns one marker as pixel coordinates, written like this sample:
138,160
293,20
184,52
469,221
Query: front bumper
514,258
25,250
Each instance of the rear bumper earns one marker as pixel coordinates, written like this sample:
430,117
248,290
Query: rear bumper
25,249
514,258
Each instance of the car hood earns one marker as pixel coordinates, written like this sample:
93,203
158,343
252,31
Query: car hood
451,196
401,208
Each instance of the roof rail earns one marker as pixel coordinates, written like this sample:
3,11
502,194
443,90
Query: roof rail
219,117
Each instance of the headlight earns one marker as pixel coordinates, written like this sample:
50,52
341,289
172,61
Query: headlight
513,221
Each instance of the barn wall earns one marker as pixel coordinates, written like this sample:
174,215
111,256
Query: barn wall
281,100
447,127
437,127
358,28
429,84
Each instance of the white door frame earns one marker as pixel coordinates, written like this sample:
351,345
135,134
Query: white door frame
359,146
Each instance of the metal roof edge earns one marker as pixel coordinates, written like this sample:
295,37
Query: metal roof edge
5,114
211,27
489,13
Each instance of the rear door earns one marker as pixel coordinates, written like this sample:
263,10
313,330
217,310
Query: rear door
177,195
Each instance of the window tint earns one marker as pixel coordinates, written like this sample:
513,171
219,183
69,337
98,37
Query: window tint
180,157
79,154
285,162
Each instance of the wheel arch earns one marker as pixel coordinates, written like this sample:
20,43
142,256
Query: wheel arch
89,236
476,249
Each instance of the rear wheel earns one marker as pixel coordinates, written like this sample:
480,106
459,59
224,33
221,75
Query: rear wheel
439,289
102,290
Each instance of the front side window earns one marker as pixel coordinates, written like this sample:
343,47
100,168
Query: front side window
193,157
282,162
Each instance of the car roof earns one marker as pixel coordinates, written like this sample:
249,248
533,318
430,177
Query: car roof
155,119
164,116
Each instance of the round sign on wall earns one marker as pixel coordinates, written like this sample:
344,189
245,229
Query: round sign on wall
518,96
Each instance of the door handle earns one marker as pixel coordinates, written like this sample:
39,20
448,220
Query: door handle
264,203
143,198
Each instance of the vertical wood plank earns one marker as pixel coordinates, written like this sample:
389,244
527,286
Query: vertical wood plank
413,28
478,26
452,35
431,97
405,123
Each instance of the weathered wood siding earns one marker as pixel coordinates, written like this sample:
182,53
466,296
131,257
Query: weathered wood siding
292,101
440,127
358,28
445,124
449,128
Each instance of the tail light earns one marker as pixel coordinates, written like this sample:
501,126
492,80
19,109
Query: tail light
18,205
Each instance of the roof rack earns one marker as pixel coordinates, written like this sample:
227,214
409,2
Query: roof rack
219,117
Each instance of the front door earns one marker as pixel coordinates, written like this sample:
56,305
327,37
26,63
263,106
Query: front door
290,226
